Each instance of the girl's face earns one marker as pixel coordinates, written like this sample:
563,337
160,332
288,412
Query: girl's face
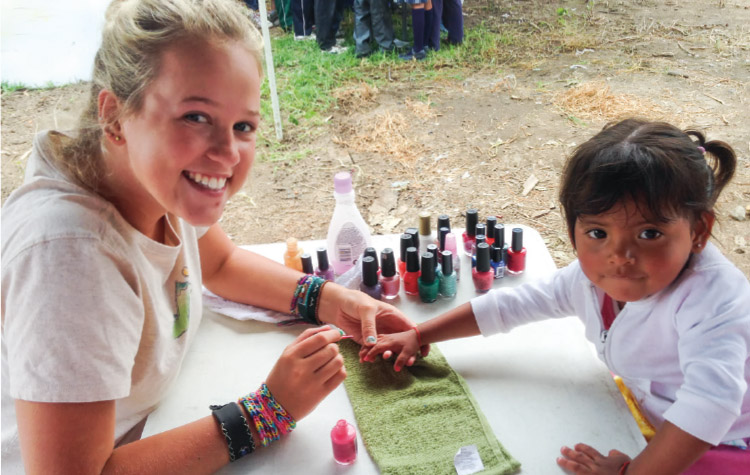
630,255
191,145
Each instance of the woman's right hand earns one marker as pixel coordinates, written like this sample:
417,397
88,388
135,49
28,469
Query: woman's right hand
307,371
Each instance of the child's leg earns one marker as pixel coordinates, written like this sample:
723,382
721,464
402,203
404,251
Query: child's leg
428,14
453,19
433,38
417,24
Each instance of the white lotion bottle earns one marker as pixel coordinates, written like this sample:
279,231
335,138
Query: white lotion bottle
348,234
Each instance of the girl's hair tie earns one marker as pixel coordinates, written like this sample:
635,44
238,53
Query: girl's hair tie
702,150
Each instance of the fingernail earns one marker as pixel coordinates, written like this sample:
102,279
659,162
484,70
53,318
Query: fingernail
371,339
342,332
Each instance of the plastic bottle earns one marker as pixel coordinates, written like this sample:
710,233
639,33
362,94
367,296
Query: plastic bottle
344,442
348,234
293,254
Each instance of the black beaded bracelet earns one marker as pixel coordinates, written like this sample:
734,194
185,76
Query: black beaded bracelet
234,426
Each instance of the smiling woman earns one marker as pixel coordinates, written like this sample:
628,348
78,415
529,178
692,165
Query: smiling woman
124,212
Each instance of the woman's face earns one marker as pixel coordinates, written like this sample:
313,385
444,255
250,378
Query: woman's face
192,144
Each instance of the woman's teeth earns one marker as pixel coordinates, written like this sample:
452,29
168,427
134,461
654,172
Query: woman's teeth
208,181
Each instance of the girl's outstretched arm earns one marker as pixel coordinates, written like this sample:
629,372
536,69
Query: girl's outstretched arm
671,451
456,323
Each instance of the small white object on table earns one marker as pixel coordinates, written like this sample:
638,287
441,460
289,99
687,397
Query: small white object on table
540,386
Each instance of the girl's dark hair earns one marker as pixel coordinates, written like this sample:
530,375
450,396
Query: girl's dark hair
667,171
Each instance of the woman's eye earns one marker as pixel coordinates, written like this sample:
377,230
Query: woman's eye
649,234
195,117
244,127
596,234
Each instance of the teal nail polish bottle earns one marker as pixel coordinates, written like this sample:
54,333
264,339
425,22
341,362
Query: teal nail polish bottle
428,281
447,276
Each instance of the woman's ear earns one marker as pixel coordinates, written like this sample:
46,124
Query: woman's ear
110,111
701,231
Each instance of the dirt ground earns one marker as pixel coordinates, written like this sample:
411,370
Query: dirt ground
493,139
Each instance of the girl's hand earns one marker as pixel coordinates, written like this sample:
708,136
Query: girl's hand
406,344
307,371
586,459
360,315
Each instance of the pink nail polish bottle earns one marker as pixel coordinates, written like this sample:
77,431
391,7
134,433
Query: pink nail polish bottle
472,217
390,282
482,274
450,245
344,441
517,253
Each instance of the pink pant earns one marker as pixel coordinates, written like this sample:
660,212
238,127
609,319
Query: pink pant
722,460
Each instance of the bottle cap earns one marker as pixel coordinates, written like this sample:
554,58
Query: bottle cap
433,249
444,221
370,251
342,182
498,234
450,242
496,253
428,267
307,265
414,233
322,258
480,228
412,260
369,271
424,223
388,262
291,244
472,217
406,242
505,253
447,264
442,232
483,257
517,239
491,222
481,238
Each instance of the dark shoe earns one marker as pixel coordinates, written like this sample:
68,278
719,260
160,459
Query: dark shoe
413,55
398,44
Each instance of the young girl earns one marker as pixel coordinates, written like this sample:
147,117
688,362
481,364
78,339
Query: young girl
664,309
107,244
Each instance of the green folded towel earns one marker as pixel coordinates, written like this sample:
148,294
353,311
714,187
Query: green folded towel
415,421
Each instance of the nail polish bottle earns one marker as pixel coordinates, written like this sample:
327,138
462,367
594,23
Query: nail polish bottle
344,441
411,278
480,238
414,233
450,245
498,235
482,274
472,217
517,253
429,285
443,221
405,243
324,269
442,232
425,232
390,282
480,230
370,284
307,265
370,251
491,222
447,276
433,249
496,262
293,254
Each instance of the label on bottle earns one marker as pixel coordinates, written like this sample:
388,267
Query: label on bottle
350,243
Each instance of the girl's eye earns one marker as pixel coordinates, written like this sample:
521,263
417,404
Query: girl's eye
596,234
244,127
649,234
195,117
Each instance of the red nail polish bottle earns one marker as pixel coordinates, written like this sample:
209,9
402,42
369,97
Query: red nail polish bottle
344,442
517,253
482,274
472,216
406,243
490,229
411,278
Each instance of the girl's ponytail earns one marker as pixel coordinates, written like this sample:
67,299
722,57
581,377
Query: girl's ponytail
721,159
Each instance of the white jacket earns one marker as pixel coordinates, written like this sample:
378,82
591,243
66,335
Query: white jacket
684,352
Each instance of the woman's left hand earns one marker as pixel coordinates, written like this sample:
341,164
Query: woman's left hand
360,315
585,459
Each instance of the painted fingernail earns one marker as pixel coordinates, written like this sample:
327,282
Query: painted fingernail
371,339
342,332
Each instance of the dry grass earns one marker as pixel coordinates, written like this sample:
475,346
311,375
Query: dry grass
595,101
420,109
352,98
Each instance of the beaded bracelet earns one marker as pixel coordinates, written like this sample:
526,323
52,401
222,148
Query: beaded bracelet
270,418
419,336
235,429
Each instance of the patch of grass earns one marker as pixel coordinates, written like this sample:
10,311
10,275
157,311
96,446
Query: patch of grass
8,87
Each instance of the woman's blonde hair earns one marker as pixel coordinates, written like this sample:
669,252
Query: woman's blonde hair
135,34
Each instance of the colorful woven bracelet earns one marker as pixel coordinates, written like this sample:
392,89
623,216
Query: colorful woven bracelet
267,431
285,422
235,429
310,305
